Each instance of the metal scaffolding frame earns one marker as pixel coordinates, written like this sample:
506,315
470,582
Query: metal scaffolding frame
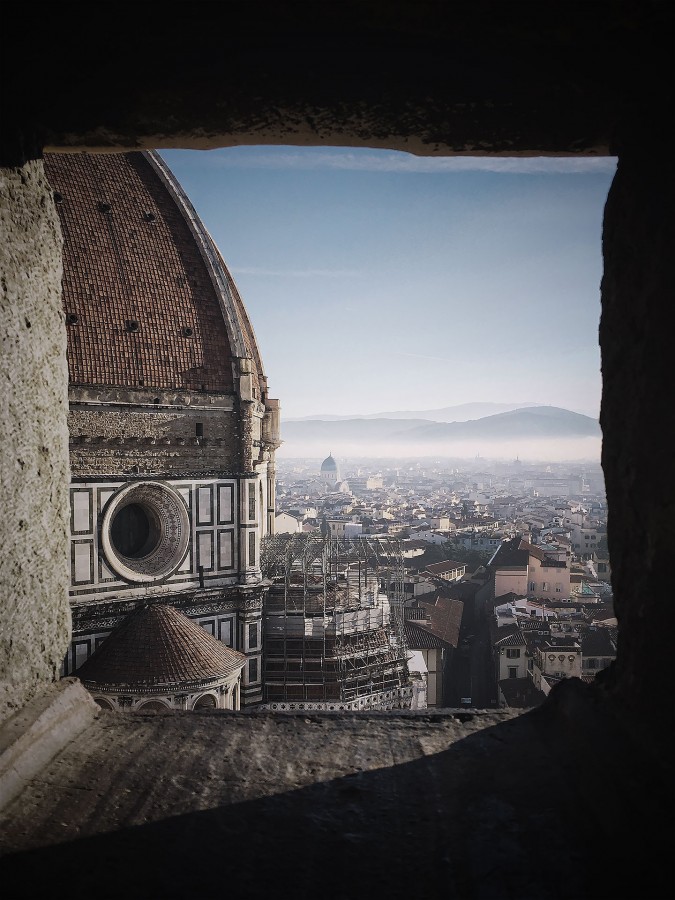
333,622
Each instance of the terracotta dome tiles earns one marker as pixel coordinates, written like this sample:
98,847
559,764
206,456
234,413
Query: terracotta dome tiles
159,645
141,306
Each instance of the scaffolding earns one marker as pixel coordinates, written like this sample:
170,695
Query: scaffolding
333,623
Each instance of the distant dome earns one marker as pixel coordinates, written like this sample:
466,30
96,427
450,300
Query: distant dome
329,465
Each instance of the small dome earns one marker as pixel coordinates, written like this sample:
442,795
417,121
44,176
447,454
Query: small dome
329,465
158,645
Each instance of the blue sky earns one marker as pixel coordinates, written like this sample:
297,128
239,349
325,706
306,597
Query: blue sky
378,280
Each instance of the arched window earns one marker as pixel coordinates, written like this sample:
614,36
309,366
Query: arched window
104,704
206,701
152,706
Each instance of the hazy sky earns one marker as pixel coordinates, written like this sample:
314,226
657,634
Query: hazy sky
376,280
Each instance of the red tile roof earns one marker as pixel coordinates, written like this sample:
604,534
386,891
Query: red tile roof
159,646
147,297
421,638
445,617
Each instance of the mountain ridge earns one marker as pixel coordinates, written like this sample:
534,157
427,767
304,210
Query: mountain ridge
464,411
528,428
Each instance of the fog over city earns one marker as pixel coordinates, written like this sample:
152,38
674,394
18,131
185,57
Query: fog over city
579,450
506,431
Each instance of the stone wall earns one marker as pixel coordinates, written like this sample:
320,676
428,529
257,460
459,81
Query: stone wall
543,80
638,288
34,614
153,441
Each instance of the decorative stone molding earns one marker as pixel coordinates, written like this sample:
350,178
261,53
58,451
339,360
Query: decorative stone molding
160,534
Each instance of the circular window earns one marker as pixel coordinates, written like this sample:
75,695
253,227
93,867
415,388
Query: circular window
145,532
135,531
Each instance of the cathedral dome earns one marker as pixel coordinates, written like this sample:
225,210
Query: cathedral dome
148,300
171,435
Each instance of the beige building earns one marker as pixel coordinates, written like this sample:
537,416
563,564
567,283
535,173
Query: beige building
431,650
285,523
519,567
510,649
440,523
559,657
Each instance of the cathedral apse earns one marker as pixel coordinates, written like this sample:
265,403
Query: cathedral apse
172,433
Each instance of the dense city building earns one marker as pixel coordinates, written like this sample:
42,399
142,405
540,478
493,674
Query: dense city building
495,572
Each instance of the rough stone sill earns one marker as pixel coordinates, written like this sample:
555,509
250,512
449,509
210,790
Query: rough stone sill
444,804
36,733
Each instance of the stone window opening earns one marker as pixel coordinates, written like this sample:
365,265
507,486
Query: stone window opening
612,463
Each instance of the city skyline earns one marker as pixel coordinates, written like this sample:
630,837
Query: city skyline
378,281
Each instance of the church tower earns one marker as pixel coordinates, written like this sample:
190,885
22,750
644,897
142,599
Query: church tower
172,432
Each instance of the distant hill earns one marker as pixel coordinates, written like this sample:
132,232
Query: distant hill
548,431
461,413
349,429
533,422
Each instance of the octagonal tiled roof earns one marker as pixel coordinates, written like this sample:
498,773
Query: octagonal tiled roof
157,645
